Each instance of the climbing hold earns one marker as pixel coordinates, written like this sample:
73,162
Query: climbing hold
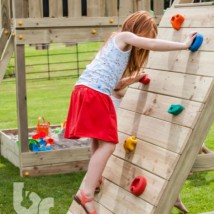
177,21
111,21
130,143
93,31
196,43
175,109
20,23
6,32
20,37
138,185
145,80
13,34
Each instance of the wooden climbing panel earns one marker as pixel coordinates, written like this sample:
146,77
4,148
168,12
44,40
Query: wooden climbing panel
167,145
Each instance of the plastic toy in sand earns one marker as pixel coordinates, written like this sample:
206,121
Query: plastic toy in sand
38,143
145,80
138,185
196,43
129,144
175,109
177,21
43,126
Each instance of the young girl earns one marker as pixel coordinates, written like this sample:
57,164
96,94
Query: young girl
91,112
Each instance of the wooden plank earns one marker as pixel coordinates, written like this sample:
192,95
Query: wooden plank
204,162
63,35
150,157
192,17
55,156
74,8
194,4
111,8
156,105
126,172
9,149
158,132
180,36
17,6
53,169
6,56
119,201
126,7
67,22
191,87
188,157
95,8
199,63
26,8
55,8
35,8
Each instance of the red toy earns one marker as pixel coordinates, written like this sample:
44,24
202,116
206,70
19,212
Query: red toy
138,185
177,21
145,80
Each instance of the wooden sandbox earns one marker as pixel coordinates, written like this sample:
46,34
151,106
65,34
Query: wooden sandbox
69,158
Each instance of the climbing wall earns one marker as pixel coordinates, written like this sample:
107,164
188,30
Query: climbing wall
167,145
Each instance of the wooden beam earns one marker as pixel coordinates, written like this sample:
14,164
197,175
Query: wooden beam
6,56
111,8
67,22
194,4
204,162
21,85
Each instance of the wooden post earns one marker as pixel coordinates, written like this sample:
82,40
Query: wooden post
21,84
158,6
74,8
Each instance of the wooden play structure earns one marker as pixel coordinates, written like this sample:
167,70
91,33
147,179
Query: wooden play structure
34,22
167,145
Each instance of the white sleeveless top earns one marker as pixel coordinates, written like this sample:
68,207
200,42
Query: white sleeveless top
104,72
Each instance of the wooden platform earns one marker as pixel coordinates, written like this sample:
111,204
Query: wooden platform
167,145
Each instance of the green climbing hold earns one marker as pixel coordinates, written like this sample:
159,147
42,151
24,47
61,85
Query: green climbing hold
175,109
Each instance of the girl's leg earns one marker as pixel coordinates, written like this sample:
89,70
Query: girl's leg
95,170
94,145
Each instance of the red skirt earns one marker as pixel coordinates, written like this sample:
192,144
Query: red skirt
91,114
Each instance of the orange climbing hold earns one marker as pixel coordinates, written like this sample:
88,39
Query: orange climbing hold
177,21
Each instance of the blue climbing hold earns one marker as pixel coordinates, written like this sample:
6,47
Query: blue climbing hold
175,109
196,43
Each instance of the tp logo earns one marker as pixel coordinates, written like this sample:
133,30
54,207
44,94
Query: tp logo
38,207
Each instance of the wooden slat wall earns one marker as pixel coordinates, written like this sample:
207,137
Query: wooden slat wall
95,8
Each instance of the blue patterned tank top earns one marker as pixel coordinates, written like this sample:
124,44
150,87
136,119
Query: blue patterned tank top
104,72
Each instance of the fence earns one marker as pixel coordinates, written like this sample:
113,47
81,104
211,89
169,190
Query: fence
56,60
